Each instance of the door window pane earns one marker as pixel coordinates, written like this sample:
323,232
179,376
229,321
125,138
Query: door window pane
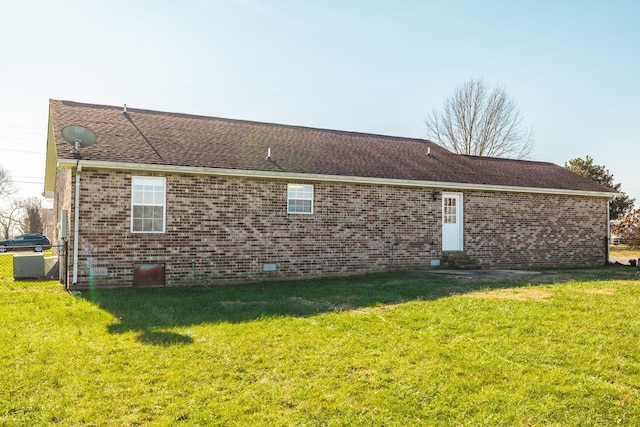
450,210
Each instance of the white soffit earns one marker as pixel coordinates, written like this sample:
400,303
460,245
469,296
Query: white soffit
138,167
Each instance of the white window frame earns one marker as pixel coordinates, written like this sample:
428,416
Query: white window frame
148,196
299,193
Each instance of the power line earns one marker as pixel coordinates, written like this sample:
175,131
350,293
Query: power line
21,128
31,177
29,134
14,150
38,139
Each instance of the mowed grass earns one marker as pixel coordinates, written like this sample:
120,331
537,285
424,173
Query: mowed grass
624,251
560,349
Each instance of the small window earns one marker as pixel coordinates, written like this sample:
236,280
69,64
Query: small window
450,210
147,204
300,199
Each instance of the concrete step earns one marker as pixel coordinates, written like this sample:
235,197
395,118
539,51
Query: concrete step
459,261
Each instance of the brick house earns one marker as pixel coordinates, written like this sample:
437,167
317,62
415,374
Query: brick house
176,199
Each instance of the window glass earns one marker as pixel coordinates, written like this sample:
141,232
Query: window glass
449,210
148,204
300,199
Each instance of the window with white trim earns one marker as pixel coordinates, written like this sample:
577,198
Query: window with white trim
148,204
299,199
450,210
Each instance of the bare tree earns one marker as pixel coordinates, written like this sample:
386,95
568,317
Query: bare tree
10,210
478,121
32,220
7,188
10,216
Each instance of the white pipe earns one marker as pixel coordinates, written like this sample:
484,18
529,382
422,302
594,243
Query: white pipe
76,225
608,231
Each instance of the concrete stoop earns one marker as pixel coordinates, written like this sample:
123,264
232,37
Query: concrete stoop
459,261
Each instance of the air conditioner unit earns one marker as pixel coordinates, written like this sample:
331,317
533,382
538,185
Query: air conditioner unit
28,266
51,267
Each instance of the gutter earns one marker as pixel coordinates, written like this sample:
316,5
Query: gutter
608,234
137,167
76,225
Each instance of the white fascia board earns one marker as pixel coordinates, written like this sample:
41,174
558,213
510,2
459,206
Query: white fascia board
139,167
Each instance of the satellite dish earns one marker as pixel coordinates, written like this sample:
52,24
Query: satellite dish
79,136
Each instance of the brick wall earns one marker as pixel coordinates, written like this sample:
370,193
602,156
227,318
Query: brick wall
527,230
62,203
223,230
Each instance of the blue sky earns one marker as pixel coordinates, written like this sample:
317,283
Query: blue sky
366,66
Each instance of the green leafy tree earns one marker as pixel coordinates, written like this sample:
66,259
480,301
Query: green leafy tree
619,206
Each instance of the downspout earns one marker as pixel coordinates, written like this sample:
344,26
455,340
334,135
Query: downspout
76,226
608,232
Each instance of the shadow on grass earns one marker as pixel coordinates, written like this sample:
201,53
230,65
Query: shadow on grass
163,338
150,312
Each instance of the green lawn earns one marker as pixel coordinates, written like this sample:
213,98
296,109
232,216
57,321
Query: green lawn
624,251
391,349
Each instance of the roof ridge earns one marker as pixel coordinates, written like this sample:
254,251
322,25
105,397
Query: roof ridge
474,156
245,121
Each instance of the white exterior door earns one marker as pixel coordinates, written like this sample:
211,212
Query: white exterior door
452,236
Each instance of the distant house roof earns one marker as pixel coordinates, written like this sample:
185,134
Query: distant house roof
153,140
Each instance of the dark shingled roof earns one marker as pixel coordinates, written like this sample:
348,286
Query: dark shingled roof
160,138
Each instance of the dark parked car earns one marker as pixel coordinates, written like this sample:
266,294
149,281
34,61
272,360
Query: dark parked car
35,242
